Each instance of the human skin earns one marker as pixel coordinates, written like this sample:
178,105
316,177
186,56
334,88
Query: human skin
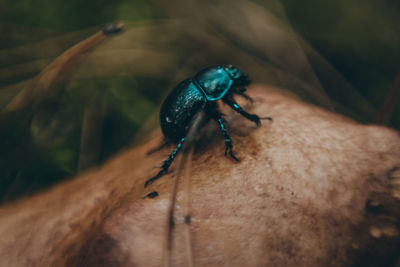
313,188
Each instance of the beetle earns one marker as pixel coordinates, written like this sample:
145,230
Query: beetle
197,94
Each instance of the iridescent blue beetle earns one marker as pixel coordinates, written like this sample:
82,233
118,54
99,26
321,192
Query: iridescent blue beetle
200,93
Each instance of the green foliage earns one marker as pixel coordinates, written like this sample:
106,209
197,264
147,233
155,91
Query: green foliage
361,39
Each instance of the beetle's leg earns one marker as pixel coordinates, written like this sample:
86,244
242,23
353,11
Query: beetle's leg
217,116
228,99
241,92
228,140
167,163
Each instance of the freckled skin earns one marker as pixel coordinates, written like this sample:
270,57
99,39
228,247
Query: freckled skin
196,94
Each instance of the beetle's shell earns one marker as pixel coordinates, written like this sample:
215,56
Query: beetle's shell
214,82
179,109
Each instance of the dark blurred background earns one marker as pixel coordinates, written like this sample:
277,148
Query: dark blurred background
341,55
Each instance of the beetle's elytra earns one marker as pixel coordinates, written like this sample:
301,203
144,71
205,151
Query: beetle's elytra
200,93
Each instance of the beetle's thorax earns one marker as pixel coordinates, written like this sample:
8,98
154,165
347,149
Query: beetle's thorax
213,82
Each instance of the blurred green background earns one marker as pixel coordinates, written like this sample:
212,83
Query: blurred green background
341,55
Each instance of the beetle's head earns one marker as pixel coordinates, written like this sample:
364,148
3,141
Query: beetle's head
240,78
